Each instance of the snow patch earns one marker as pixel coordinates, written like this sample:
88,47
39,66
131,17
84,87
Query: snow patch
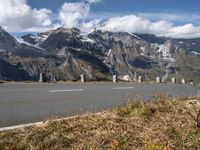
135,36
2,50
62,52
142,48
65,64
85,38
37,39
21,41
109,52
181,42
125,78
195,53
163,52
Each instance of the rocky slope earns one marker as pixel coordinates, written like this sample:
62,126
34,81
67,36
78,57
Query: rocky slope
65,53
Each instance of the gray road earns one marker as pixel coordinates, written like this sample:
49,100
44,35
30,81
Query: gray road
27,103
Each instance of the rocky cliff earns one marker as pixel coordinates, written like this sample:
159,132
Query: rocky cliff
66,53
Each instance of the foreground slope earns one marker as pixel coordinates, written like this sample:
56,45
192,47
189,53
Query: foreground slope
161,124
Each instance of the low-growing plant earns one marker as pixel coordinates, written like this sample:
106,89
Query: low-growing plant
147,112
159,124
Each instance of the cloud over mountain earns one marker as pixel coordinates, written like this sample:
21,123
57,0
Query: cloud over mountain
71,14
136,24
75,14
93,1
18,15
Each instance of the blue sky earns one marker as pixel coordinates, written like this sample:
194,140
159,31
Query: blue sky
186,6
172,18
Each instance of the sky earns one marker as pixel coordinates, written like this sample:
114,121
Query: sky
170,18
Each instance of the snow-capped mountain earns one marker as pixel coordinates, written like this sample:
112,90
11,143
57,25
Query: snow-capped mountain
66,53
31,40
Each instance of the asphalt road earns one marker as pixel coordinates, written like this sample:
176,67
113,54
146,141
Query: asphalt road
27,103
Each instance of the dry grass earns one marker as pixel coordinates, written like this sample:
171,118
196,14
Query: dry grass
160,124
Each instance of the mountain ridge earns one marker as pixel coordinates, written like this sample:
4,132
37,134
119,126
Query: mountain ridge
65,53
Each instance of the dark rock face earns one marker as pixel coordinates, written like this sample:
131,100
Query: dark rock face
7,42
188,44
121,51
61,38
152,38
62,56
29,38
11,72
142,62
65,53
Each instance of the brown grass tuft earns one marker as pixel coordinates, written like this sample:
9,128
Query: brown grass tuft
160,124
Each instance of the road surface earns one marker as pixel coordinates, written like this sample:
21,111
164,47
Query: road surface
27,103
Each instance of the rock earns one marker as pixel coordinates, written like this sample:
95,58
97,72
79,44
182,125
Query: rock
67,53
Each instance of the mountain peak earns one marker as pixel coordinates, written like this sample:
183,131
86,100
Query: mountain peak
2,30
66,30
67,53
7,42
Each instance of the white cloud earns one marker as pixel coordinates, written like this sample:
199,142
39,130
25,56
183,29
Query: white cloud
20,17
185,31
76,14
17,15
37,29
126,23
90,25
93,1
71,14
178,17
135,24
162,16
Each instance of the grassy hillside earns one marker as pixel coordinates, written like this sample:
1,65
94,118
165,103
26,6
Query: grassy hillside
160,124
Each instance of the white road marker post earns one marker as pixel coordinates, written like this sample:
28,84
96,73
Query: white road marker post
158,80
115,79
40,78
183,81
82,78
140,79
173,80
